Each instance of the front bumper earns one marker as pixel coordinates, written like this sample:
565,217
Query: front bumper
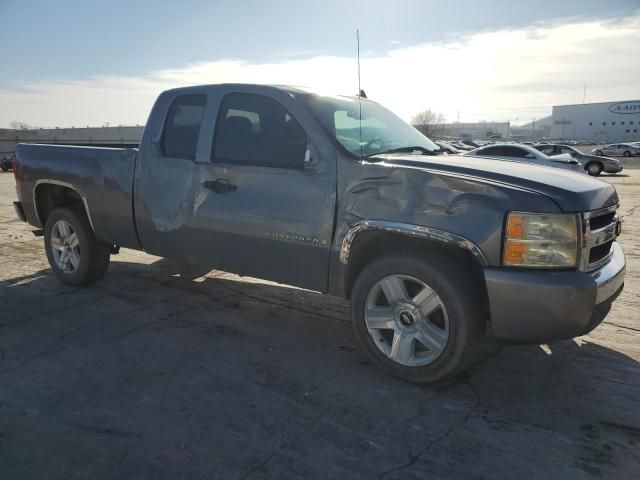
538,307
612,168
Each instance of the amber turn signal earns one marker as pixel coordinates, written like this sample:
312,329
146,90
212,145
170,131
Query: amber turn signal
515,228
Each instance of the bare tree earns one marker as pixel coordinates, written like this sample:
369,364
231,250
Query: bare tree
426,120
20,125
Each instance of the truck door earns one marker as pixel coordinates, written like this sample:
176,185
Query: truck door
266,199
166,172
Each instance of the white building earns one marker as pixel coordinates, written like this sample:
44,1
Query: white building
471,130
98,136
604,122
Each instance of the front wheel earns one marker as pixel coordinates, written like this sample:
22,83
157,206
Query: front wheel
76,256
417,316
627,153
594,169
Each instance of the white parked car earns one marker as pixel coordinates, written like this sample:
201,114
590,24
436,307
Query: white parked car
621,149
526,154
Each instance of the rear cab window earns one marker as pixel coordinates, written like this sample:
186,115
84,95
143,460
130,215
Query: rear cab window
182,126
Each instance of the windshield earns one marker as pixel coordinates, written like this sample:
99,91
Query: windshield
381,130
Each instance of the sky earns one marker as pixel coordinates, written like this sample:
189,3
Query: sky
78,63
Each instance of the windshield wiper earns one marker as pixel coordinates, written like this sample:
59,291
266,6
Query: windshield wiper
424,150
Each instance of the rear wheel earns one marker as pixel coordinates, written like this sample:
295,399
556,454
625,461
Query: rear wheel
76,256
594,168
418,317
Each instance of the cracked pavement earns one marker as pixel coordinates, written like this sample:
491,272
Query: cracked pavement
155,372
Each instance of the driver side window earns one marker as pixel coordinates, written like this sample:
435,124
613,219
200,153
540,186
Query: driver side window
254,129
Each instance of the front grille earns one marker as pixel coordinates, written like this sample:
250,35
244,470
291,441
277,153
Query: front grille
599,233
599,252
602,221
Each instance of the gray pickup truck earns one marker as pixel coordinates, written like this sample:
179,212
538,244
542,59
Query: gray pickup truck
339,195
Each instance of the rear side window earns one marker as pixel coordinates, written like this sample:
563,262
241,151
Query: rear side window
491,151
515,152
547,150
254,129
181,129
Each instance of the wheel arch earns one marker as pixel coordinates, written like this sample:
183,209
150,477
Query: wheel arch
368,240
51,194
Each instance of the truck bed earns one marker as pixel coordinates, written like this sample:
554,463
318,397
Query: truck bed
103,177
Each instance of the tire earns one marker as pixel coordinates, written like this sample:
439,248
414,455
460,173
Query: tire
627,153
594,168
599,153
460,316
87,258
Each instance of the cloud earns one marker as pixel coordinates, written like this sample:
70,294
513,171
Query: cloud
496,75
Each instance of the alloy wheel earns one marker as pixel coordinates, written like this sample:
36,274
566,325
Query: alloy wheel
594,169
65,247
407,320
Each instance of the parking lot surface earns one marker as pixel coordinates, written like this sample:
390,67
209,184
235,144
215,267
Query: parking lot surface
158,373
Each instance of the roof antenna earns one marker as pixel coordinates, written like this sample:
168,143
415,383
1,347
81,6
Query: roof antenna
360,92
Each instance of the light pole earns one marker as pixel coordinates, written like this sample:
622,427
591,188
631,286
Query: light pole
533,129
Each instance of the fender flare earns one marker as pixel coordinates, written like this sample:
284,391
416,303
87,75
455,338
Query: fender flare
416,231
60,184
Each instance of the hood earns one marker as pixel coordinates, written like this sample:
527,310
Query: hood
573,192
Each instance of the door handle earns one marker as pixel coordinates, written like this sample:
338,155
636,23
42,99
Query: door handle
220,185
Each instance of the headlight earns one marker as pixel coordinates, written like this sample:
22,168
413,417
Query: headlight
541,240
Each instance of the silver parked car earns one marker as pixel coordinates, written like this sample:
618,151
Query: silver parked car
593,164
619,149
526,154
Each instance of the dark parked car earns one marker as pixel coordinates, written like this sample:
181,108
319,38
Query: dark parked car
341,196
593,164
6,163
